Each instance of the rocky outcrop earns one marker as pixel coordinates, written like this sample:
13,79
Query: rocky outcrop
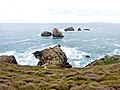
56,33
87,56
53,56
79,29
106,60
87,29
46,34
8,59
69,29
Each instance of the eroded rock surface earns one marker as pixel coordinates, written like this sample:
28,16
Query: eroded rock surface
52,56
56,33
46,34
8,59
69,29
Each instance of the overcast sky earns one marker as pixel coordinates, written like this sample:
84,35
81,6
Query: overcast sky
59,11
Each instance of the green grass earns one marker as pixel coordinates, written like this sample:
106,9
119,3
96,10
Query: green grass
16,77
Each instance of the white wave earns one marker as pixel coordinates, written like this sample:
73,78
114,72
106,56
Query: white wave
73,53
68,40
21,41
113,39
90,40
8,53
71,31
39,34
117,45
75,57
26,58
62,30
76,63
116,51
96,46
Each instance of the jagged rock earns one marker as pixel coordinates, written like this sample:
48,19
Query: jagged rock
87,29
56,33
46,34
79,29
53,56
8,59
68,65
87,56
105,60
69,29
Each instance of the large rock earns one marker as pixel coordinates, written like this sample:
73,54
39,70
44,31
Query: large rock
87,29
56,33
53,56
79,29
69,29
46,34
8,59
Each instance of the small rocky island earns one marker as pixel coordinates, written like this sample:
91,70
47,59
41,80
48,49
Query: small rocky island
55,73
46,34
55,33
69,29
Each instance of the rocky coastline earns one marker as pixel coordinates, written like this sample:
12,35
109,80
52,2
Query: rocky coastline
103,74
55,33
55,57
53,72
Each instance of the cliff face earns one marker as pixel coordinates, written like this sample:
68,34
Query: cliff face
102,76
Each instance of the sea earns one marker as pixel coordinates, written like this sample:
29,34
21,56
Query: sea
22,39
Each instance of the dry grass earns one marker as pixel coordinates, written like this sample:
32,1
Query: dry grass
15,77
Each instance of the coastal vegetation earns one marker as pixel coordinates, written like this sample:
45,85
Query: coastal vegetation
104,74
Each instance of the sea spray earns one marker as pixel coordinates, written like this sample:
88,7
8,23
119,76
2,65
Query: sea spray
26,58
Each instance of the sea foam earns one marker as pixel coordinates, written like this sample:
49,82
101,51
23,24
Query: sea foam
26,58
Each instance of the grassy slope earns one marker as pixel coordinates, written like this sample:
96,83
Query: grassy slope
14,77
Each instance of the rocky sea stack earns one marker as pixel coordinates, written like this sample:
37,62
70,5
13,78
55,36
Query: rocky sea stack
79,29
56,33
87,29
69,29
52,56
46,34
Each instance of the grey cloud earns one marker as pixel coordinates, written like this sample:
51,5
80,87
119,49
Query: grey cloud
82,12
59,11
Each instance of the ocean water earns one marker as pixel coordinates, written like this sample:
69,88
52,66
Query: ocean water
22,39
